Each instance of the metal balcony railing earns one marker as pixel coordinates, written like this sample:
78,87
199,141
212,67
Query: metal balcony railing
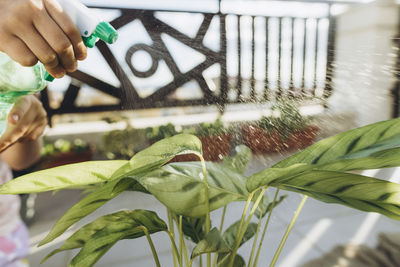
285,56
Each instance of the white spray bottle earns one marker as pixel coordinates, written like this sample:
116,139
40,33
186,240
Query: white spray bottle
91,27
17,81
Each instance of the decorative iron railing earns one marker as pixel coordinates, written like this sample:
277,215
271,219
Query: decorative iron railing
296,56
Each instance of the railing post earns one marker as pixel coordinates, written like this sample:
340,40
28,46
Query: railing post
330,54
396,89
223,64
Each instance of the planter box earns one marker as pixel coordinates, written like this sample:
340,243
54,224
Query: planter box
215,148
259,141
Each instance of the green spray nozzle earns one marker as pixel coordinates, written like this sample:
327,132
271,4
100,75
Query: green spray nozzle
103,31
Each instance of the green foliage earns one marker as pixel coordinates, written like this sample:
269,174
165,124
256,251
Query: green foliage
194,228
233,230
213,242
240,161
97,237
322,171
180,187
63,146
89,204
209,128
285,119
266,206
158,133
64,177
122,144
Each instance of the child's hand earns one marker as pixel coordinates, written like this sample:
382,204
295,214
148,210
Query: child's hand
32,30
27,121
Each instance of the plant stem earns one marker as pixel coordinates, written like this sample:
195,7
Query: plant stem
208,220
265,228
180,239
242,229
256,237
174,248
172,232
153,250
220,230
182,244
221,226
285,236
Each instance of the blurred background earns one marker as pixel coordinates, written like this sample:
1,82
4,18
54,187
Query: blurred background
225,64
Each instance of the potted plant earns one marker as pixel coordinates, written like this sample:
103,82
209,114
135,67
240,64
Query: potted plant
122,144
62,152
214,136
191,190
216,139
154,134
286,129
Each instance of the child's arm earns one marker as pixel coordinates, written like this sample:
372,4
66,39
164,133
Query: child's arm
32,30
21,142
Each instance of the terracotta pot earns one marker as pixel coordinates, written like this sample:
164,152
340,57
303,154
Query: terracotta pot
259,141
215,148
302,138
65,158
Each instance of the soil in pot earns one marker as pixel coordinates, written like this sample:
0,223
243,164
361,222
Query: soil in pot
260,141
215,148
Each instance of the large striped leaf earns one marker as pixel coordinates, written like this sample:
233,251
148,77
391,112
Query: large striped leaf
356,191
97,237
87,205
223,260
266,206
370,147
158,154
213,242
382,159
194,228
232,231
180,187
357,143
241,160
64,177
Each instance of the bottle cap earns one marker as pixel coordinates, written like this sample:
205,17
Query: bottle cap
48,77
106,32
90,41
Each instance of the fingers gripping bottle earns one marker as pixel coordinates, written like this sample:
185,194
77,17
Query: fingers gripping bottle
91,28
17,81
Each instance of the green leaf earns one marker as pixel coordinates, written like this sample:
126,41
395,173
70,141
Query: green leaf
194,228
213,242
180,187
382,159
268,176
63,177
232,231
357,143
267,206
97,237
370,147
241,160
159,154
223,260
356,191
87,205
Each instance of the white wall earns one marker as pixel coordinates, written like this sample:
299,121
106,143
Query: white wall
365,60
